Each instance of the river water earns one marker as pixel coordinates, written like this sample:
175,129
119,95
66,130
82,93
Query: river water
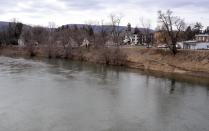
58,95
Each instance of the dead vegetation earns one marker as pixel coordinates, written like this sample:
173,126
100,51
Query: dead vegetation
186,61
112,56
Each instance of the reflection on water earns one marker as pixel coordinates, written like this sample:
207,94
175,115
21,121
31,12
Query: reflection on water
58,95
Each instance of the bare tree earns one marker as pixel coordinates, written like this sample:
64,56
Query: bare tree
76,35
172,25
40,34
93,32
14,31
50,41
146,24
90,33
103,33
4,37
28,36
66,41
115,25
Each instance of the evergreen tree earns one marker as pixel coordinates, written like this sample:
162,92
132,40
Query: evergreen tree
129,27
14,32
197,28
189,34
136,30
206,30
90,31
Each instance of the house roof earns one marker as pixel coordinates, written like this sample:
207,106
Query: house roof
200,35
191,42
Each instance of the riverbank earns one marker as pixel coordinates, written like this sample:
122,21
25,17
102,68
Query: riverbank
187,62
57,94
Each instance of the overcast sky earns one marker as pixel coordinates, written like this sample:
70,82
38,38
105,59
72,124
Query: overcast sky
41,12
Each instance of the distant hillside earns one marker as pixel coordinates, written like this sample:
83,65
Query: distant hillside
3,24
98,28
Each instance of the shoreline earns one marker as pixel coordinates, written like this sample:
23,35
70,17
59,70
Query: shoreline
189,63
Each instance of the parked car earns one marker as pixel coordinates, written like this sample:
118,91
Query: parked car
167,46
162,46
178,46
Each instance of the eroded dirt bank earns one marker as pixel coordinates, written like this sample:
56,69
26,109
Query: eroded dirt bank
193,63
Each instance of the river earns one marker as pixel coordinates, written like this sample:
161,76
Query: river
58,95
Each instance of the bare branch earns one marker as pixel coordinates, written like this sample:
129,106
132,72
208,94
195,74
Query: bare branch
172,25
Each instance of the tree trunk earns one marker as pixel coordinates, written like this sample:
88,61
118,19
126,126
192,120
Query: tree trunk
174,49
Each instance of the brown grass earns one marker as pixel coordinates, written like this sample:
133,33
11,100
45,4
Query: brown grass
185,61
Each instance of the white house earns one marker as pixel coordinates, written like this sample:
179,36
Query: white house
135,39
188,44
202,46
21,43
127,39
194,45
85,43
202,38
110,43
201,42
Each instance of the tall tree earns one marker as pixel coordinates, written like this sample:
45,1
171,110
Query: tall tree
198,28
90,31
129,27
65,37
189,34
14,32
206,30
136,30
103,33
115,25
172,26
146,31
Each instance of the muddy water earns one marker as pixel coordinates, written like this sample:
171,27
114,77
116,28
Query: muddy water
56,95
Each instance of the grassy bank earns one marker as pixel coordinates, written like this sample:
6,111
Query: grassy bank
193,63
184,62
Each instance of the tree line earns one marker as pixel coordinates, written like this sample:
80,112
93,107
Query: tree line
11,34
172,28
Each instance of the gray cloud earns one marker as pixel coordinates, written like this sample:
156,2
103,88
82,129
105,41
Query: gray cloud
84,5
172,3
28,9
103,4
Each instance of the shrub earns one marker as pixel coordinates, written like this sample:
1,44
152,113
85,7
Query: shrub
112,56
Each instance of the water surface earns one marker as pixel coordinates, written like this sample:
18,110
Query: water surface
58,95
